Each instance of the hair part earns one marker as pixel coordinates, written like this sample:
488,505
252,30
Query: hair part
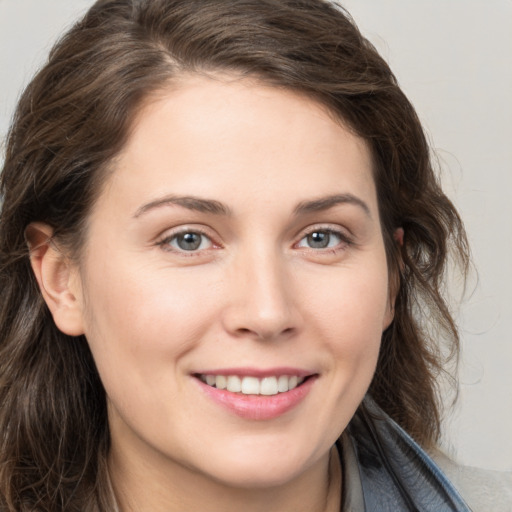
72,121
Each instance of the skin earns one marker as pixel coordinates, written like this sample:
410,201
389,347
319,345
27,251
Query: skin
255,294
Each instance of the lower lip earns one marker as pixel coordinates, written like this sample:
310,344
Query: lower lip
258,407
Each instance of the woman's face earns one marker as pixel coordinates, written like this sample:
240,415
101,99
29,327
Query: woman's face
237,243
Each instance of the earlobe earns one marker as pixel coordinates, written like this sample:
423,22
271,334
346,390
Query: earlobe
57,279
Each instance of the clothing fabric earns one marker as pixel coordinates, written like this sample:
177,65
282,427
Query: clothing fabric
385,470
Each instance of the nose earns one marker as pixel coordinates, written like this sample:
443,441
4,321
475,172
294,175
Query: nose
262,303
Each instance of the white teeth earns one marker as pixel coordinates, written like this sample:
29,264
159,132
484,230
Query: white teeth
282,384
269,386
250,386
266,386
234,384
220,382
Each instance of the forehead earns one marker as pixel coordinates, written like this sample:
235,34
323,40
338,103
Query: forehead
240,139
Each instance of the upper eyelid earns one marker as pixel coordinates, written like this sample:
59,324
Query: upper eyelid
169,233
163,244
347,239
337,229
178,230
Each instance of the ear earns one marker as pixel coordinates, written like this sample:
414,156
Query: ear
57,277
398,236
394,279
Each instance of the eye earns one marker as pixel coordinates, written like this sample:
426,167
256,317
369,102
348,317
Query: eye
322,239
188,241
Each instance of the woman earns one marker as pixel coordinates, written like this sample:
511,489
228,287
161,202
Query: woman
222,253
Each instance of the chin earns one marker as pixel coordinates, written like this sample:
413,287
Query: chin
262,467
248,475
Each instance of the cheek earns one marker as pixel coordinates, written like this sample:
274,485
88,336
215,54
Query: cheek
140,329
355,303
351,315
141,317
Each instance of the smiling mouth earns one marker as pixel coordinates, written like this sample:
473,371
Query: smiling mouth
266,386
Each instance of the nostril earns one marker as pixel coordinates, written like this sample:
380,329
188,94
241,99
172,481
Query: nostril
265,333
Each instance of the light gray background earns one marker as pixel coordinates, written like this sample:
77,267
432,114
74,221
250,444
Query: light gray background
453,59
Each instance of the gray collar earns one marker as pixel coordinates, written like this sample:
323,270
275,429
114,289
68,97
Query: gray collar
384,470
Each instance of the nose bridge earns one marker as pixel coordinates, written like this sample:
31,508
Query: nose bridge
262,299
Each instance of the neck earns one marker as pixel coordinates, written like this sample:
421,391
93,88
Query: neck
141,486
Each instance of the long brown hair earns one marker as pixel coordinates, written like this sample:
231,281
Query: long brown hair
74,118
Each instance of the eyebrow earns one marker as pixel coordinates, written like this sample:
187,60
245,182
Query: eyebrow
190,202
217,208
324,203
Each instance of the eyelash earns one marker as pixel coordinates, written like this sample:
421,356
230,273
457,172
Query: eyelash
165,242
344,241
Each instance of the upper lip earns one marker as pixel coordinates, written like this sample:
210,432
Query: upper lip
257,372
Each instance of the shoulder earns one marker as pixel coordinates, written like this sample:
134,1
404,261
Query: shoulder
483,490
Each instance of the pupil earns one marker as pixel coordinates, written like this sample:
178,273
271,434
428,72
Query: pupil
318,240
189,241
